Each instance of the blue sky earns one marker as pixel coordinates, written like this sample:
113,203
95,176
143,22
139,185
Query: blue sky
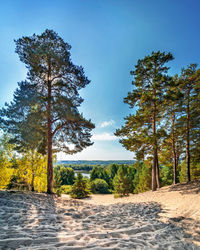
107,39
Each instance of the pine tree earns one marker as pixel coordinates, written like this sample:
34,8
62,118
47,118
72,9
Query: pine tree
142,178
122,181
172,145
189,85
80,189
19,120
55,82
143,130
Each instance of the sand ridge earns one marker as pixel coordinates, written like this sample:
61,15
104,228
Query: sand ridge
152,220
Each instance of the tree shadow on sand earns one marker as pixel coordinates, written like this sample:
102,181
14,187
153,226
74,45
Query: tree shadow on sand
192,187
136,226
37,221
40,221
22,215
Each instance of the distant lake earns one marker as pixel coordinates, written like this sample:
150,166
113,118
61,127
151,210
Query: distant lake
84,173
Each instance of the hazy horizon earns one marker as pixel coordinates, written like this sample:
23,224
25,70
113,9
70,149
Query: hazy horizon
97,160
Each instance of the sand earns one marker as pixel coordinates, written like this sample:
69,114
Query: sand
166,219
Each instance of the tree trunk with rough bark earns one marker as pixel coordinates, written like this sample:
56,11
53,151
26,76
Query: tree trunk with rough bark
174,151
157,171
154,167
32,182
50,138
188,137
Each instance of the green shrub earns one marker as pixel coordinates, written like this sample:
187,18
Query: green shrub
122,182
166,175
63,175
64,189
194,171
80,189
99,186
142,179
17,184
99,172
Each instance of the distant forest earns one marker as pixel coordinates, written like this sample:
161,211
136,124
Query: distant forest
95,162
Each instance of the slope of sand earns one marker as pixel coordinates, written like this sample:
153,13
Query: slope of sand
165,219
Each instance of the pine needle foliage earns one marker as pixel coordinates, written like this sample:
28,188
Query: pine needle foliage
122,181
80,188
143,130
44,111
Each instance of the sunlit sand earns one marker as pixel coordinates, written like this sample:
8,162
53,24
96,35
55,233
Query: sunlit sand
168,218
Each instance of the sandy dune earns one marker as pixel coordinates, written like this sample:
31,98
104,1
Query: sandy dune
165,219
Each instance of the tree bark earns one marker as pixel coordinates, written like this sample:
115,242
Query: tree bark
188,137
154,186
174,151
49,140
50,163
154,167
174,167
32,182
157,170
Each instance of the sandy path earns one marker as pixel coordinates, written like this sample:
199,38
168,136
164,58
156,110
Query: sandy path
39,221
178,200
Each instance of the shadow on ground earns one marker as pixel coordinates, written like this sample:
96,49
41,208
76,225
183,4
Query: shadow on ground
192,187
39,221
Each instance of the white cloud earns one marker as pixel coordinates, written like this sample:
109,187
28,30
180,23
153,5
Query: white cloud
97,152
104,137
105,147
106,124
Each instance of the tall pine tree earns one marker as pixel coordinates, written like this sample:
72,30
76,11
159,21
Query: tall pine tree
55,80
189,120
172,145
143,130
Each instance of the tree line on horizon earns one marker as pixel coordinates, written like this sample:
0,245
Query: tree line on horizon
44,119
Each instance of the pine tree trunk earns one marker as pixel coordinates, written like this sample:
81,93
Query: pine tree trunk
157,170
32,182
50,164
188,137
174,151
154,167
49,140
174,167
154,186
